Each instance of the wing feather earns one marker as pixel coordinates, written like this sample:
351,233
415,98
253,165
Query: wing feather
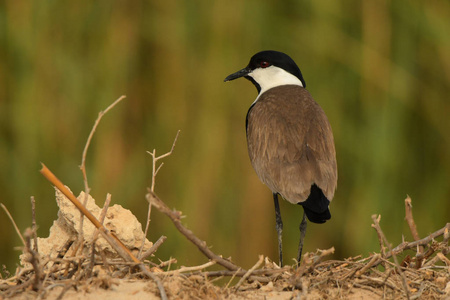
290,143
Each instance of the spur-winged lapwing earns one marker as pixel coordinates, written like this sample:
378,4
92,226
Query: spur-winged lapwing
290,142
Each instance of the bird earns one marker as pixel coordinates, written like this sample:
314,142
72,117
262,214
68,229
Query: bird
289,139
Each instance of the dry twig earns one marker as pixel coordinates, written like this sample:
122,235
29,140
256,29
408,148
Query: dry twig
240,273
156,158
380,240
444,259
152,187
249,272
376,225
310,260
88,142
83,160
233,275
425,241
369,265
94,239
153,248
234,270
410,220
13,223
33,258
191,269
33,223
175,216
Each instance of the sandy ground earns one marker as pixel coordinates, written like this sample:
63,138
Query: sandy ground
144,290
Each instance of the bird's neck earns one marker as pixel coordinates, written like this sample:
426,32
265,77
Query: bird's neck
265,79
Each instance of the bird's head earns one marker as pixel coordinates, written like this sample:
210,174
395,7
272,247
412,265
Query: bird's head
268,69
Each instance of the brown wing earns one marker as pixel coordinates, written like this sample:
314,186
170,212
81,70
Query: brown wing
291,144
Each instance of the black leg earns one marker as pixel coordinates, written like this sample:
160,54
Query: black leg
303,226
279,227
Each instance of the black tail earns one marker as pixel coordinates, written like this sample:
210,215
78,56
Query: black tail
316,206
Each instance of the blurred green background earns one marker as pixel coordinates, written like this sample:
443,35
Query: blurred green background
379,69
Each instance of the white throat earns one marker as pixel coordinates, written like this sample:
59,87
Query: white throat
271,77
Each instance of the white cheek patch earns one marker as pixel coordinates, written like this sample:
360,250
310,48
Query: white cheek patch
271,77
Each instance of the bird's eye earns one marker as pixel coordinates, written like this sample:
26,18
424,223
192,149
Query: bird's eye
264,64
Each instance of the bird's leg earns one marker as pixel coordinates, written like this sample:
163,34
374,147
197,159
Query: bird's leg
303,226
279,227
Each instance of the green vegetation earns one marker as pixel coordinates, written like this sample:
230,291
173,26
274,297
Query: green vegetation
380,70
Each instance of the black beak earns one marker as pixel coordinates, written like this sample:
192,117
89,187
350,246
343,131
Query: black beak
238,74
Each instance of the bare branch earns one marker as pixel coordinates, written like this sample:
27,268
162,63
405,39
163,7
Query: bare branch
257,274
91,134
369,265
33,223
34,260
249,272
376,225
405,245
153,248
152,188
175,216
222,273
94,239
410,220
157,170
156,158
190,269
83,159
14,223
380,240
310,260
